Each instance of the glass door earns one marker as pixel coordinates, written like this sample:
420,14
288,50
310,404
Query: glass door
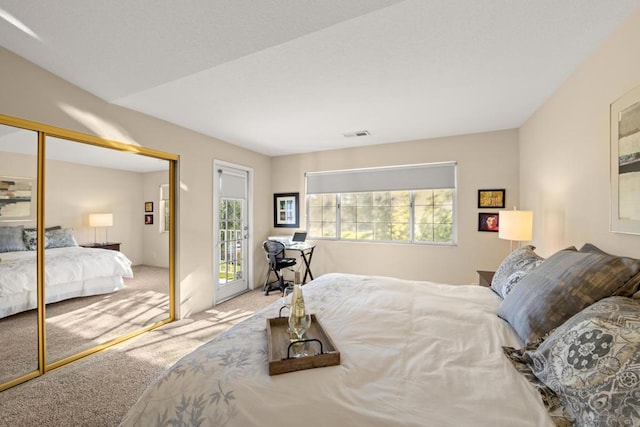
232,231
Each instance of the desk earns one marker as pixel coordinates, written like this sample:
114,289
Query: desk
306,253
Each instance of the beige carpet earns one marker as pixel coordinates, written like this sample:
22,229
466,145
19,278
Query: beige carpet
99,389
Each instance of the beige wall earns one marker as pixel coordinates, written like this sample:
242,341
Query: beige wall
564,151
486,160
71,197
28,92
155,243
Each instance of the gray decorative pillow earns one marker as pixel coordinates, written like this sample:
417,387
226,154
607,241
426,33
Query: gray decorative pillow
563,285
514,267
30,238
60,238
11,239
630,287
591,363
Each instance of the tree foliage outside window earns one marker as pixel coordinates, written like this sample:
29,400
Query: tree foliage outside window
230,248
425,216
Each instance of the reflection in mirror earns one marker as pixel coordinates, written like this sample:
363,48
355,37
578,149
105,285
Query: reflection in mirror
18,266
107,260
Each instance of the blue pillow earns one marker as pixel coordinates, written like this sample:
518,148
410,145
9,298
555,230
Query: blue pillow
11,239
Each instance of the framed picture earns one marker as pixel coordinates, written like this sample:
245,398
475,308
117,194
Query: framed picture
491,198
625,163
148,219
148,206
488,221
286,211
16,196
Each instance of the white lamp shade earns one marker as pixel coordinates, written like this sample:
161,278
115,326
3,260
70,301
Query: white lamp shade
515,225
101,220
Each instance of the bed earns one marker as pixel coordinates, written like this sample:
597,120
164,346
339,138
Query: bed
412,353
70,270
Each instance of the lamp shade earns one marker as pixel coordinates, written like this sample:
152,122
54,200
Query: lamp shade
516,225
101,220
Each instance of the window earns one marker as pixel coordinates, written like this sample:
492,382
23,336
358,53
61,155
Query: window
401,204
164,211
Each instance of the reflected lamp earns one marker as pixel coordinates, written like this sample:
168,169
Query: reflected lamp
101,220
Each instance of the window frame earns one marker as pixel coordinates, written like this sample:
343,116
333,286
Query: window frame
338,202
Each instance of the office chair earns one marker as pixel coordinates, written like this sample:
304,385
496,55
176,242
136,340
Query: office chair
277,261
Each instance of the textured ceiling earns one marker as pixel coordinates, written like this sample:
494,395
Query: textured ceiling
284,77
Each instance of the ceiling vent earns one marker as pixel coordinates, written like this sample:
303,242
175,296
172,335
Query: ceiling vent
357,133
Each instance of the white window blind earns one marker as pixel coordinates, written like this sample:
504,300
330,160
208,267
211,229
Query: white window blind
391,178
232,186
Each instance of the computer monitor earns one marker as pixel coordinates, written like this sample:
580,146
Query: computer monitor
299,237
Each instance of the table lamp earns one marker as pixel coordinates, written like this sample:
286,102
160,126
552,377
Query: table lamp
515,226
100,220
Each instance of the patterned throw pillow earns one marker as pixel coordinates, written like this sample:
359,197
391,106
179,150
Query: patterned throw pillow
563,285
31,239
60,238
591,363
11,239
514,267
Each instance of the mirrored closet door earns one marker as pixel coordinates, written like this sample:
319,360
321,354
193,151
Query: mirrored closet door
96,252
18,266
106,258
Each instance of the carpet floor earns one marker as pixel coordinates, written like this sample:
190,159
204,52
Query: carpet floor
99,389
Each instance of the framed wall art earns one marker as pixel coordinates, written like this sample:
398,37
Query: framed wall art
488,221
491,198
625,163
148,206
16,196
148,219
286,210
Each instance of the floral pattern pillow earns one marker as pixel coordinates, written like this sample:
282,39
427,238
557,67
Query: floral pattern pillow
60,238
591,363
31,239
514,267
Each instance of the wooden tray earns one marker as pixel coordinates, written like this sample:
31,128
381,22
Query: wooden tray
278,338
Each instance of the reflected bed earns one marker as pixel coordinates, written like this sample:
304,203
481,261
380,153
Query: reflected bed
70,272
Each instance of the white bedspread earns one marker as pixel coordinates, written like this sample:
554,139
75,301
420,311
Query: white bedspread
67,271
412,354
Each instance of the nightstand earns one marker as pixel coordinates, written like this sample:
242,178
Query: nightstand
108,245
485,277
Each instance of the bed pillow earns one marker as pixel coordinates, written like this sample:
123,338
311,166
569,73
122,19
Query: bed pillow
11,239
53,227
560,287
30,238
60,238
513,268
632,286
591,363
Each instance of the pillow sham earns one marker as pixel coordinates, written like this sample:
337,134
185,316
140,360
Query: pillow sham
591,361
11,239
60,238
631,287
30,238
513,268
560,287
53,227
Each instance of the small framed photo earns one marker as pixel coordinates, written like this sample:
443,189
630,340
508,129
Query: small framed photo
491,198
148,219
488,221
286,211
148,206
